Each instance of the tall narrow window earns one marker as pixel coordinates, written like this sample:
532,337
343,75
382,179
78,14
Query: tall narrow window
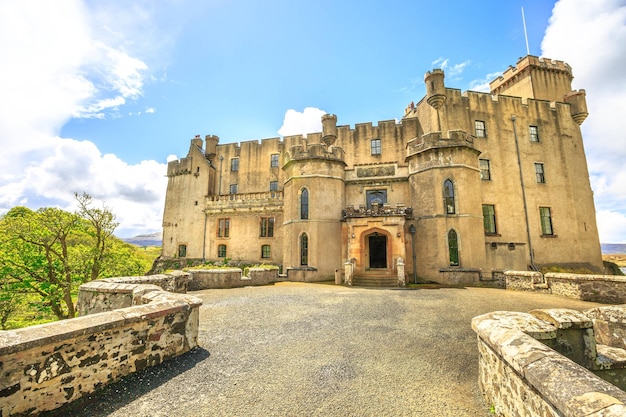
223,227
489,219
448,197
182,251
304,204
233,188
304,249
546,221
274,160
234,164
541,178
266,251
481,131
267,227
375,147
453,248
485,169
533,132
273,185
221,251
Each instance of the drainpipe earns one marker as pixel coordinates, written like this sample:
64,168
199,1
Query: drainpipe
521,179
219,186
412,232
206,216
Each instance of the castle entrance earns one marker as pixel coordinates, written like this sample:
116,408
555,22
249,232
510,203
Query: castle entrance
377,251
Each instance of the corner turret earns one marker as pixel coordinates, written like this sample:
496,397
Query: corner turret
578,105
211,146
435,88
329,129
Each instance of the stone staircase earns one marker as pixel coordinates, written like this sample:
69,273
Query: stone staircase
378,281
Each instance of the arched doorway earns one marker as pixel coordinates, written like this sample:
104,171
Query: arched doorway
377,244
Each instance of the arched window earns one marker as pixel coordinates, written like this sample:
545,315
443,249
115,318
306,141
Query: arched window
453,248
448,197
304,249
304,204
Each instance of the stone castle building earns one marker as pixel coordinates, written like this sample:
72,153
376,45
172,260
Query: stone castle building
465,185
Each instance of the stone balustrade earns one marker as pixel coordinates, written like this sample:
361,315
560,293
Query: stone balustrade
49,365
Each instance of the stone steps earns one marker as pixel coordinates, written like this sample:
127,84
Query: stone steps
379,281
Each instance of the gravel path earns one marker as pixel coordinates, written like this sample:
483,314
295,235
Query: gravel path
294,349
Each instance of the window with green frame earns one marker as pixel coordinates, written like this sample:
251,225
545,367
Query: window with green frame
489,219
304,249
453,248
546,221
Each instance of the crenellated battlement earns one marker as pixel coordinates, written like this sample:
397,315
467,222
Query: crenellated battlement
179,167
314,151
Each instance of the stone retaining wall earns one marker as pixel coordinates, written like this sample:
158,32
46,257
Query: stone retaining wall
202,279
46,366
521,373
608,289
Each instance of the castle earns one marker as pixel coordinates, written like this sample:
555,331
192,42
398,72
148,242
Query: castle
464,186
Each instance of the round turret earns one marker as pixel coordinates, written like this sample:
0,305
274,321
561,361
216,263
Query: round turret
329,129
578,105
435,88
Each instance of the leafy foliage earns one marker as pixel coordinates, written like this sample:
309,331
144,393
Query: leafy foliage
50,253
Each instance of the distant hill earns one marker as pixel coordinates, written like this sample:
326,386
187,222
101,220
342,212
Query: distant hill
613,248
151,239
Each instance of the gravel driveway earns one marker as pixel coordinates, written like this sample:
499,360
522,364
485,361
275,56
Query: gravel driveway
294,349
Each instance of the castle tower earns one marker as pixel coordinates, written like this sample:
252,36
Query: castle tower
314,195
533,77
443,179
189,180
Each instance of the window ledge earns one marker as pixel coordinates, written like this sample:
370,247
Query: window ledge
549,236
493,234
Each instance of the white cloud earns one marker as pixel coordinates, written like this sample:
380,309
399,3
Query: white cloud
60,60
453,72
297,123
482,85
591,37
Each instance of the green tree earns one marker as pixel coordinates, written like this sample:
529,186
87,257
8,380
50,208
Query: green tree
51,252
36,255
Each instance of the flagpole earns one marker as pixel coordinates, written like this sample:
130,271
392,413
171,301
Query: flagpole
525,33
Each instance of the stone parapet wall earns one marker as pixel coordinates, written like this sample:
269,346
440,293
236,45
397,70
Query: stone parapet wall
608,289
46,366
202,279
520,375
175,281
112,293
599,288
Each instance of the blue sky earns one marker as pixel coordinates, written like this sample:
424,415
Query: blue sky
96,96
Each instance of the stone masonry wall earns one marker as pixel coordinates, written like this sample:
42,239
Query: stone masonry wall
46,366
521,376
607,289
202,279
